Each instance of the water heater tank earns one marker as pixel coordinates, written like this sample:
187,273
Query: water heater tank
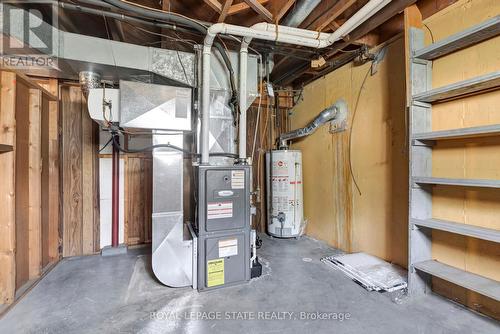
284,193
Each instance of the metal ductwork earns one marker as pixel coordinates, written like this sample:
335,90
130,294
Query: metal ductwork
76,53
323,117
89,80
299,13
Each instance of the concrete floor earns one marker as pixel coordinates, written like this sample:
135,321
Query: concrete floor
119,295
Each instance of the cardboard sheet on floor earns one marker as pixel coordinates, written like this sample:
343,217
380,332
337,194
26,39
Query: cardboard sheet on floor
372,273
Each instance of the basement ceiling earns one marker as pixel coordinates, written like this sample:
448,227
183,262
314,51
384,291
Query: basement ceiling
292,64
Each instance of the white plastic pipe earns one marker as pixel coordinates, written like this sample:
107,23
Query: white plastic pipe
264,26
205,104
242,140
269,32
355,21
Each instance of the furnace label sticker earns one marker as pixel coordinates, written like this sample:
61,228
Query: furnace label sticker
228,247
215,272
218,210
238,179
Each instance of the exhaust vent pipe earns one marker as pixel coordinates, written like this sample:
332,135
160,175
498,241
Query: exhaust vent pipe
327,115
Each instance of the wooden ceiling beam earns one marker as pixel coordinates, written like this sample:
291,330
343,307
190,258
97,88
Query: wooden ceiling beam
284,10
214,4
330,16
260,9
242,6
225,10
293,70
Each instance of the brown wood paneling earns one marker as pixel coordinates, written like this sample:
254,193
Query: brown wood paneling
80,208
87,184
138,200
7,188
22,185
71,105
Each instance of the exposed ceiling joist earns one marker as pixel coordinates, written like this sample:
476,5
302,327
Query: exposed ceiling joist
242,6
225,10
392,9
337,10
260,9
284,10
214,4
294,70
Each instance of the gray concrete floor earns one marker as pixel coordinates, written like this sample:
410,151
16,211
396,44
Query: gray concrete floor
119,295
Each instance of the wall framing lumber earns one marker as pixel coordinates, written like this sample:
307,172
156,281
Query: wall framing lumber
7,188
34,181
71,105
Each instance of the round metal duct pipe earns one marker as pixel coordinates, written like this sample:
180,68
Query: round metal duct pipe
89,80
300,12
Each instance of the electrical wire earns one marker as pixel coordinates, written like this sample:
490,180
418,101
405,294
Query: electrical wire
106,145
186,41
351,171
116,143
430,32
258,116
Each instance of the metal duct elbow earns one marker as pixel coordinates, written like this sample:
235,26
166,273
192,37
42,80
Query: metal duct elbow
89,80
323,117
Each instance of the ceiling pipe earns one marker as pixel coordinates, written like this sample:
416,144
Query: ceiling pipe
301,10
242,133
275,33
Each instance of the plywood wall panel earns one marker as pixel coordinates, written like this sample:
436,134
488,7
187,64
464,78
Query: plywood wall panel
474,158
71,104
138,203
322,194
374,221
87,184
79,169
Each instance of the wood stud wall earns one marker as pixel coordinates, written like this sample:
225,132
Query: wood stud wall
7,188
29,228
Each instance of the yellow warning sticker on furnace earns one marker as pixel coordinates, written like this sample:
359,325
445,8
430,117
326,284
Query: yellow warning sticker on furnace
215,272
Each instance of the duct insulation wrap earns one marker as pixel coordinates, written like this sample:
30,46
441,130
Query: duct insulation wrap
284,193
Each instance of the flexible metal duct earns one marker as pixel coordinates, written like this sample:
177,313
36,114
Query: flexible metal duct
323,117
